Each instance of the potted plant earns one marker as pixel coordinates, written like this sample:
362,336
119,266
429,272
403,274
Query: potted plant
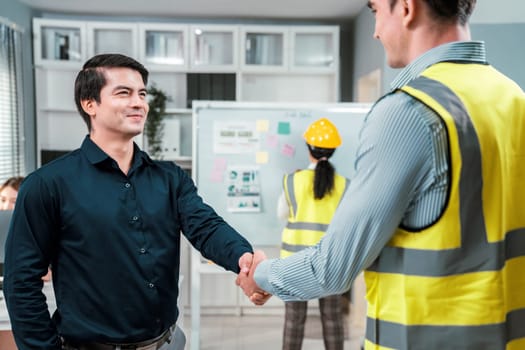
154,128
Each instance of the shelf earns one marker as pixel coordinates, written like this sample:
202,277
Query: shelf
103,37
58,43
264,48
163,47
179,111
213,48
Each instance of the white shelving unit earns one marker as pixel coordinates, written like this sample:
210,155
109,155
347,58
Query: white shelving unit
314,49
59,44
163,47
104,37
289,64
264,49
214,48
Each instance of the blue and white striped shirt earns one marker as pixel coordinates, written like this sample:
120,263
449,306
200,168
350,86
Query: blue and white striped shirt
401,179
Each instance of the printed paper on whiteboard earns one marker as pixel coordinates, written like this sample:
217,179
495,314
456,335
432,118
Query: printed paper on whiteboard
243,189
233,137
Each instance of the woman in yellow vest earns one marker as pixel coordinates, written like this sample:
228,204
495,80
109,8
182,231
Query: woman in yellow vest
308,202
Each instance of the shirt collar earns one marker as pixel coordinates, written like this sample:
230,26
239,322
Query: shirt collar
96,155
458,51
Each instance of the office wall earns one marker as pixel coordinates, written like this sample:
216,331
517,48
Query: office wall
22,15
496,23
501,25
505,49
368,52
497,12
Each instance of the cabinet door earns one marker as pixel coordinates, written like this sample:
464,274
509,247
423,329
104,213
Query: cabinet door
164,47
112,37
265,48
314,49
59,43
213,48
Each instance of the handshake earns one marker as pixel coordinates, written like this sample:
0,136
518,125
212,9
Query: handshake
248,263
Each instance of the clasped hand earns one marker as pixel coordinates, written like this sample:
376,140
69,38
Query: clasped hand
245,280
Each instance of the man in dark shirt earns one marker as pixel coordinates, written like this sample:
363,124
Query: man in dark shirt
108,219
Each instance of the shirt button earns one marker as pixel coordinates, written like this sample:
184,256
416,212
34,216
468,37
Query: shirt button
151,285
142,250
128,185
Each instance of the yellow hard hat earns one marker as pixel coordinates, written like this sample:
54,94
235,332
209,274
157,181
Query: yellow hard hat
322,133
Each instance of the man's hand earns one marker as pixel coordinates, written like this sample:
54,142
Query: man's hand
245,263
247,283
260,298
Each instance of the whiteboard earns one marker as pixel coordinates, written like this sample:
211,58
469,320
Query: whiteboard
274,147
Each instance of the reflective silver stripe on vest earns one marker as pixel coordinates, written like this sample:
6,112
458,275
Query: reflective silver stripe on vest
515,244
291,193
394,336
475,253
310,226
294,248
515,322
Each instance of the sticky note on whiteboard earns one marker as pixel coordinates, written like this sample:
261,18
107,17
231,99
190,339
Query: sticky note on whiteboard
261,157
272,140
263,125
283,128
288,150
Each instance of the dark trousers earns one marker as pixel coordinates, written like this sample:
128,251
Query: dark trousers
331,320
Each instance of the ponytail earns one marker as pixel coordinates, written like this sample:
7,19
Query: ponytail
324,171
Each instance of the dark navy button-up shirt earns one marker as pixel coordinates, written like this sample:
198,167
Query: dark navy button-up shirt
113,241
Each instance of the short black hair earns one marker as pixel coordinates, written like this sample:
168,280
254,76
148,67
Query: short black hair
458,10
91,79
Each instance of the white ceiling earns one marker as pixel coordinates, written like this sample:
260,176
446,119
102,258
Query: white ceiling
238,9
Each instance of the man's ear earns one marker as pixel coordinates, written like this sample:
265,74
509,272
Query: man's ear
409,8
88,106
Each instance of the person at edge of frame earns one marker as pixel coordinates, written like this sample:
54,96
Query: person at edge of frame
434,213
308,202
109,219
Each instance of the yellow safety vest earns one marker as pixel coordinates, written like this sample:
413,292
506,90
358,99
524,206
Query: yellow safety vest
460,283
309,217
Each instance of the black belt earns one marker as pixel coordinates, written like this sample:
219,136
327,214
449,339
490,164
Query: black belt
151,344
